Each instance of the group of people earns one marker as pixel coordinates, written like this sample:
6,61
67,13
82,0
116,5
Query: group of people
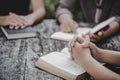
18,14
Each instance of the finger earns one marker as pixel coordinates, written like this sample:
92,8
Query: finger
24,19
20,22
22,27
19,19
72,56
69,47
100,33
16,27
64,28
91,45
94,37
87,34
74,27
72,43
87,38
11,27
70,50
86,41
11,13
80,39
68,28
97,37
93,40
16,21
85,45
77,45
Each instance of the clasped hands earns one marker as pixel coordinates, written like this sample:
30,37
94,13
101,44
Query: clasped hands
81,48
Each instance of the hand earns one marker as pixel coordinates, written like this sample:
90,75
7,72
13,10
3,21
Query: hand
67,24
79,53
95,37
85,43
79,39
28,20
14,20
95,51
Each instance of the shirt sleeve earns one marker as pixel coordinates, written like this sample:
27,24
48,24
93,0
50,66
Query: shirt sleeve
65,7
115,11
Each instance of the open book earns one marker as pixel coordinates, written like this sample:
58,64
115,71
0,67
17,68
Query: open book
20,33
61,64
68,36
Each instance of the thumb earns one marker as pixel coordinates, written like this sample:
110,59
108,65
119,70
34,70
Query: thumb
101,33
10,13
91,45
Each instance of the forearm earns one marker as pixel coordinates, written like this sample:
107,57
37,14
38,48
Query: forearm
113,28
96,70
2,21
65,8
108,56
37,15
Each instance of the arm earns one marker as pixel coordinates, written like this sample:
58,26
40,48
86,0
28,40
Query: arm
108,56
95,69
65,17
2,19
65,7
83,57
38,11
114,26
12,20
19,21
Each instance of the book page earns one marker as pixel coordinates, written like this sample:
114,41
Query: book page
63,62
83,30
66,52
68,36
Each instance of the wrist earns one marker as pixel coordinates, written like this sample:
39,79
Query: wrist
32,18
84,59
64,17
100,52
3,21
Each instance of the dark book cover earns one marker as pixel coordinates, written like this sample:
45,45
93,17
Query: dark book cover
20,33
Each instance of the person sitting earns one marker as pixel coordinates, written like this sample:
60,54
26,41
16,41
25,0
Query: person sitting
17,15
94,11
89,56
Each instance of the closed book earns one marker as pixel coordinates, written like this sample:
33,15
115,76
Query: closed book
19,33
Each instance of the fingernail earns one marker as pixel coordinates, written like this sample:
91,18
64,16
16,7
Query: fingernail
22,27
10,27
